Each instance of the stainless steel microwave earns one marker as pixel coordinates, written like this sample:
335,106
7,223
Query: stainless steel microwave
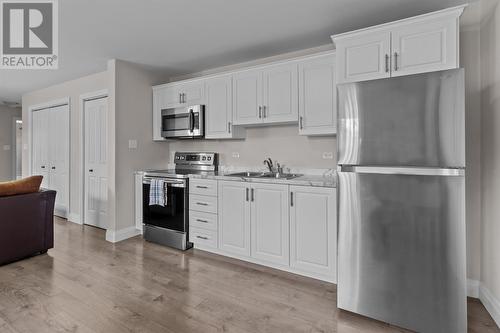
183,122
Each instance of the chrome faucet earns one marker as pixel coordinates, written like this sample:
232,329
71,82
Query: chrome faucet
269,163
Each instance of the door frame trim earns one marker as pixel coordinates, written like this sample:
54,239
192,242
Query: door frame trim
65,101
14,146
90,96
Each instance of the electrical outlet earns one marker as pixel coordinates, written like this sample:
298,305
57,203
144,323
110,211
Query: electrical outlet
235,155
132,144
328,155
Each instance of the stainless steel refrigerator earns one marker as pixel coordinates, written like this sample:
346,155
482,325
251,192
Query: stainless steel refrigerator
401,214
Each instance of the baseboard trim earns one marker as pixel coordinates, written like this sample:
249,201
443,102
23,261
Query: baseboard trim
122,234
473,288
74,218
490,303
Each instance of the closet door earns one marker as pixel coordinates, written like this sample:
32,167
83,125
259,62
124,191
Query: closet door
58,135
39,163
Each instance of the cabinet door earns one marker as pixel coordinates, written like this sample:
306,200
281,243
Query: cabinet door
159,103
280,93
317,96
425,47
247,97
234,218
313,230
270,223
170,97
219,108
40,145
364,57
193,93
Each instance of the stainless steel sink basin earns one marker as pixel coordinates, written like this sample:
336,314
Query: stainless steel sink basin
247,174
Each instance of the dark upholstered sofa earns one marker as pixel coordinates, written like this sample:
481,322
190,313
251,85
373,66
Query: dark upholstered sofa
26,225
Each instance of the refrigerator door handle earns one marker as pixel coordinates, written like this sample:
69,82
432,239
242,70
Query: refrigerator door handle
403,170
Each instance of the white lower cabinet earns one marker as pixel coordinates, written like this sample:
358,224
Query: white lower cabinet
313,230
292,228
269,223
234,217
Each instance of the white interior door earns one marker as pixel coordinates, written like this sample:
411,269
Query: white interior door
58,136
39,164
96,158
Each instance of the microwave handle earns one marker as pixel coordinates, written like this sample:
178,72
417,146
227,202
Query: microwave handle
191,120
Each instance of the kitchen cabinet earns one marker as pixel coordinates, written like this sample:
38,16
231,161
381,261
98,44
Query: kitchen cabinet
318,95
234,217
266,95
270,223
203,213
219,109
414,45
313,230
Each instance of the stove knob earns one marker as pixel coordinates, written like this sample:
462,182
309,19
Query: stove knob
204,158
209,158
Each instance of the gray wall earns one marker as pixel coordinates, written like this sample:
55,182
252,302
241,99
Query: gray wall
7,115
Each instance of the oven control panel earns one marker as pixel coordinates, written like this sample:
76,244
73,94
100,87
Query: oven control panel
196,158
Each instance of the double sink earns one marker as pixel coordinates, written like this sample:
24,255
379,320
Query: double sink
250,174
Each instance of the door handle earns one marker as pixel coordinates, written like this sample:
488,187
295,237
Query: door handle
180,98
291,199
260,112
198,186
301,122
253,195
229,127
201,237
202,204
183,98
247,193
203,221
191,121
387,63
264,111
396,61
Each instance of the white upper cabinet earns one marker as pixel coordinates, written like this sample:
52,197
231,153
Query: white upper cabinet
366,57
280,93
247,97
313,230
425,47
219,109
318,96
419,44
270,223
193,93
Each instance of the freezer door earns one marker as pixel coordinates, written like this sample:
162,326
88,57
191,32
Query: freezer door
402,249
415,120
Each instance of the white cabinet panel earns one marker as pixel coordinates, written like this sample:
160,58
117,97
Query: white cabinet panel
318,96
313,230
203,187
203,238
203,203
270,223
201,220
219,109
193,93
280,93
247,97
425,47
364,58
234,218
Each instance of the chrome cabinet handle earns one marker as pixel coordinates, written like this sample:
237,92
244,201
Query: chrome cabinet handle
183,97
201,204
53,168
396,61
180,98
291,199
253,195
247,194
264,111
229,127
43,167
387,63
260,112
91,170
301,122
201,237
203,221
198,186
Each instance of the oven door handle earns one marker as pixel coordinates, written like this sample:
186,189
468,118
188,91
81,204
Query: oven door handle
147,180
191,121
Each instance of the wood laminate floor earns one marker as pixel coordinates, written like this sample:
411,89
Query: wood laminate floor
86,284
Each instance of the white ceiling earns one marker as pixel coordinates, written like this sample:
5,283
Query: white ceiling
185,36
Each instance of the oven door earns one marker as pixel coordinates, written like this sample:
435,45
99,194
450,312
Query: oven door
174,215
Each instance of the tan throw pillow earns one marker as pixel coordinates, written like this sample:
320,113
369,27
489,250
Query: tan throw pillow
22,186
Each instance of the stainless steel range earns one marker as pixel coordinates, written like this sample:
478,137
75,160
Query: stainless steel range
168,224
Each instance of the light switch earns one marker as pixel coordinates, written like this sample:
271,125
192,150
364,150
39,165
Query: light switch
132,144
6,147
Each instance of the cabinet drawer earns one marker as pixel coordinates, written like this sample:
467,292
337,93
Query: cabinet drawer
203,187
203,220
203,203
202,237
